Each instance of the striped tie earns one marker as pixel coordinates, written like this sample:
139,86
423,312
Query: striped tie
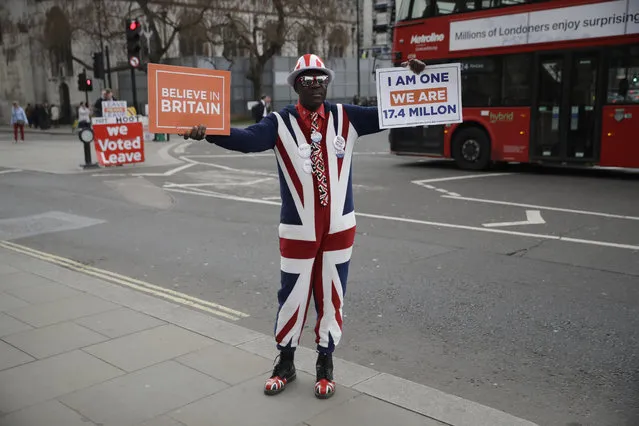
318,163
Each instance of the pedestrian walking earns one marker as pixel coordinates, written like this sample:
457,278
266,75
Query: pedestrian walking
313,142
18,120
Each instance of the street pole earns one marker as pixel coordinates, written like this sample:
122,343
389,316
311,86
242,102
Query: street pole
358,52
108,67
134,89
100,35
86,93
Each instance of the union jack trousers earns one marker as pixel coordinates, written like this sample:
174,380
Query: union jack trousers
316,242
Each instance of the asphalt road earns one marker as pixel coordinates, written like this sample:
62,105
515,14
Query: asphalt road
539,319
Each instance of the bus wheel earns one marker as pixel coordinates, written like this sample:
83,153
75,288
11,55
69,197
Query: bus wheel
471,149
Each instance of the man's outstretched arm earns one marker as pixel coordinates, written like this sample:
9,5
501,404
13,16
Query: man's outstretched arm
365,120
255,138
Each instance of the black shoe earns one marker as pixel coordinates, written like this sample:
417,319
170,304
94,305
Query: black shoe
283,374
324,385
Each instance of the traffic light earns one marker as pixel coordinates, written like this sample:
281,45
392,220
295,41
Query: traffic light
85,84
133,47
82,81
98,65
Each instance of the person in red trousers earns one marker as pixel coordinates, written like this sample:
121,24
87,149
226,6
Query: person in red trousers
18,121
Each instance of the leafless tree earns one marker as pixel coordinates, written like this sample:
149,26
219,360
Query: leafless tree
277,22
103,20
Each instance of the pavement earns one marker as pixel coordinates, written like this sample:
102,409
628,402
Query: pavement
78,350
58,151
514,288
62,130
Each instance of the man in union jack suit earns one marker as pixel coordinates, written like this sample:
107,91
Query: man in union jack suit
313,143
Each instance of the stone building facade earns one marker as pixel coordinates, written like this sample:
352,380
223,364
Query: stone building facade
46,44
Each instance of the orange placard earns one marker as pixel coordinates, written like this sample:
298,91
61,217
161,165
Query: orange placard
183,97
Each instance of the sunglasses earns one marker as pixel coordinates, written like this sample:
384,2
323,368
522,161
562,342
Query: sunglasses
309,80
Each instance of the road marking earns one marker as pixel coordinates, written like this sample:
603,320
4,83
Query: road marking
423,182
230,169
195,185
4,172
172,295
263,154
181,148
533,217
557,209
224,196
204,193
168,172
229,155
163,152
44,223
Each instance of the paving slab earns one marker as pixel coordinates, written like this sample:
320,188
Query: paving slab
11,356
214,328
436,404
119,322
148,347
60,310
227,363
142,395
42,290
346,373
50,413
9,302
369,411
10,325
7,270
49,378
296,404
161,421
54,339
21,280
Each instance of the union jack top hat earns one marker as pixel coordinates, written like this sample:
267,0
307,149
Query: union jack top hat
306,63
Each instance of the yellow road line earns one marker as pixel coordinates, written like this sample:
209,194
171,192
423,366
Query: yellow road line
172,295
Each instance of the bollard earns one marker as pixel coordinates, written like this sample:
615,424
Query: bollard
86,137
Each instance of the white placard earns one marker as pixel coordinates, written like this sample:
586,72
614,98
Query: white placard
407,99
606,19
118,120
114,109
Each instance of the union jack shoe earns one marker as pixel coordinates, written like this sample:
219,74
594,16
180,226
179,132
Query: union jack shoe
283,374
324,385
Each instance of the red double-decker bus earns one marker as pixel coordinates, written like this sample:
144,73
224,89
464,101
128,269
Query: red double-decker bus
554,81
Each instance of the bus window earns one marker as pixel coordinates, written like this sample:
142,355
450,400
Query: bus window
416,9
623,75
403,13
516,82
481,82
